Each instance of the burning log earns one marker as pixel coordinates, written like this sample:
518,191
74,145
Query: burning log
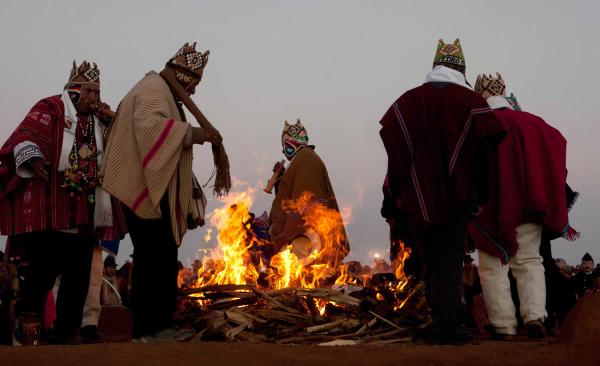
289,316
249,295
214,288
322,327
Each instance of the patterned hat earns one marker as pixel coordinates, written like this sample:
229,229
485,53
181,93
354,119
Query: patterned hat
587,257
189,59
450,54
86,73
293,138
512,100
490,85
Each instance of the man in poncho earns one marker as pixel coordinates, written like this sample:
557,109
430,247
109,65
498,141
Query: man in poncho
305,213
148,167
528,194
51,203
438,138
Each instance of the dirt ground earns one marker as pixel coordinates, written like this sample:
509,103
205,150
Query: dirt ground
539,353
578,345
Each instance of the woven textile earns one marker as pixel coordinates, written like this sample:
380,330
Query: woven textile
293,138
488,86
449,53
189,59
86,73
145,158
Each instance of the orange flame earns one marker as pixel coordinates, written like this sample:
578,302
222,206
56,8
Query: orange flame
327,246
230,222
403,255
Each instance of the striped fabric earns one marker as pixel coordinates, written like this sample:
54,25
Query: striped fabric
145,158
432,135
29,204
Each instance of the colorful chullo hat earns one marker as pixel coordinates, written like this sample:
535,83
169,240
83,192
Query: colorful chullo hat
490,86
293,137
188,59
86,73
514,103
449,54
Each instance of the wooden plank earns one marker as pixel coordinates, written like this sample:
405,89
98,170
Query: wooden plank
214,288
324,327
248,315
227,303
385,320
231,334
275,302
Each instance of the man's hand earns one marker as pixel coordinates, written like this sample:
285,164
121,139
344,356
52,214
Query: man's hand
103,112
213,136
279,167
38,169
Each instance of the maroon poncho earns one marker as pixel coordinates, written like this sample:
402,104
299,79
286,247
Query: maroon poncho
29,204
431,135
528,184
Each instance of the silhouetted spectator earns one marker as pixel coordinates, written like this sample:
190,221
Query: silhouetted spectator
584,281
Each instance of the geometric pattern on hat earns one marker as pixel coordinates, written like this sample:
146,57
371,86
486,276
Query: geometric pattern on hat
296,132
449,53
189,59
84,74
492,85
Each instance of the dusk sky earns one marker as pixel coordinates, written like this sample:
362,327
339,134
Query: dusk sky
336,65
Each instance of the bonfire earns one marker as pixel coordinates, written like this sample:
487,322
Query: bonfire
242,292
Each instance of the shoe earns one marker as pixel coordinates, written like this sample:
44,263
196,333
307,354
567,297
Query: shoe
536,329
502,336
90,334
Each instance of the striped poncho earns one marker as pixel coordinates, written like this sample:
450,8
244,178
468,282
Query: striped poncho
145,157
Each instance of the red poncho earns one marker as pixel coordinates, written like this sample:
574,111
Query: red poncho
528,183
29,204
431,135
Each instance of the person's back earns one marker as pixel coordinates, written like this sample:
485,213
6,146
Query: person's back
438,138
443,123
441,126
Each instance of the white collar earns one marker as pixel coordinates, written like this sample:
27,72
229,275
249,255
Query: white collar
70,111
443,74
497,102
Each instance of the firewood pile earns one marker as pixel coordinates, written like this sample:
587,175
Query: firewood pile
380,313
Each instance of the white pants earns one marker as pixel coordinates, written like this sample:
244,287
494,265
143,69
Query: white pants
527,270
91,309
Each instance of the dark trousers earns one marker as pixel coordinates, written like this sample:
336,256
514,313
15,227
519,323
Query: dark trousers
155,269
50,254
560,293
442,250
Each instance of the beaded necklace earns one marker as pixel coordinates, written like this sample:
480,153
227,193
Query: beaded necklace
83,172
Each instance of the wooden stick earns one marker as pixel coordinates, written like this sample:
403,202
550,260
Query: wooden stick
222,304
269,188
275,302
322,327
385,320
214,288
231,334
